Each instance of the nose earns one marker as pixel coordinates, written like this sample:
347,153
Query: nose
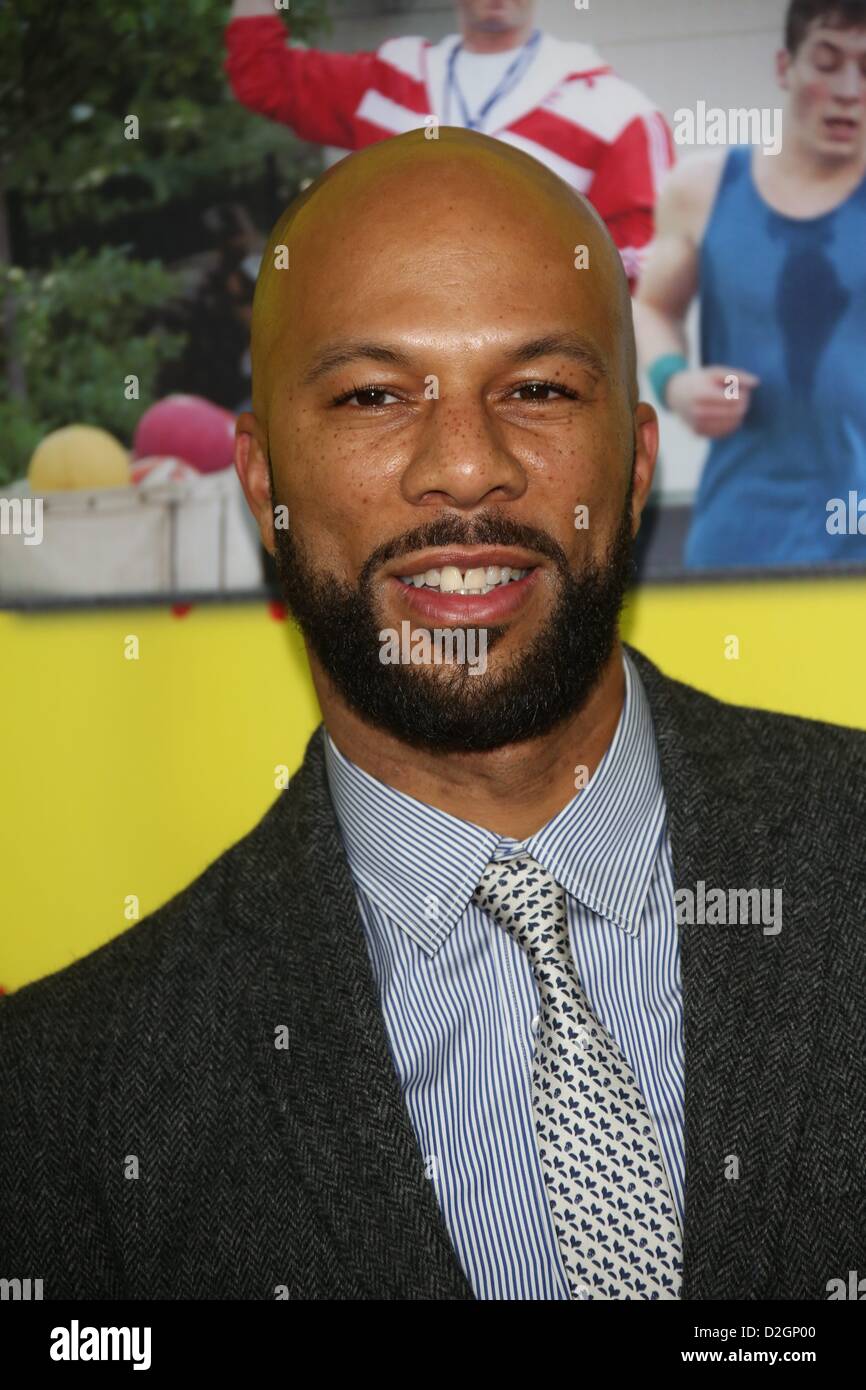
850,84
463,459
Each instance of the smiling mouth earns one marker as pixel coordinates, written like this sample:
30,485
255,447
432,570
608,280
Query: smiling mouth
477,581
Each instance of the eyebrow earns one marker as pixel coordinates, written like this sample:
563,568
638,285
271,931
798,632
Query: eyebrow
573,345
821,40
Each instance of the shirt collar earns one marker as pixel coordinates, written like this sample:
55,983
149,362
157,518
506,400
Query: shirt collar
603,845
421,865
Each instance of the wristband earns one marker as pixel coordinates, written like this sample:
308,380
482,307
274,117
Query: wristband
662,370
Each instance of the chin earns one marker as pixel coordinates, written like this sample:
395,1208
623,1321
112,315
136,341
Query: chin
835,149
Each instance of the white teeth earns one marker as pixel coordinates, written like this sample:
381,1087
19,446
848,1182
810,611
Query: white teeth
475,581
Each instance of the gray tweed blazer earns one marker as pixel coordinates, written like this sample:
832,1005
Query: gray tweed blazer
155,1142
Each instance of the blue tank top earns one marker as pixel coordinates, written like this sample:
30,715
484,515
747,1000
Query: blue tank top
786,299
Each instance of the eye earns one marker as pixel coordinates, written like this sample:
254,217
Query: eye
368,397
538,389
825,59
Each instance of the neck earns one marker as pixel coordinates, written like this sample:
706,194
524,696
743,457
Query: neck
477,41
513,790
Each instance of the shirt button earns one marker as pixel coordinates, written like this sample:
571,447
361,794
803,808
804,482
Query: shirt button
581,1291
535,1022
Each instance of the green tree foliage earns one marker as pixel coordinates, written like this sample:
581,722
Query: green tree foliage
69,321
70,76
71,73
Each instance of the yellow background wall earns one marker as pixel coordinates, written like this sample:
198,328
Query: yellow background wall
128,777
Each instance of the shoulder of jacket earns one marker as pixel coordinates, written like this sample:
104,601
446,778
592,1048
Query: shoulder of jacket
790,767
406,54
811,742
594,96
180,942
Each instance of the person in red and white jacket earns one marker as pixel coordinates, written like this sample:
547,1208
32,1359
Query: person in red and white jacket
556,100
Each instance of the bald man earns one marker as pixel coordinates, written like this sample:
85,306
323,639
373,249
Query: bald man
543,978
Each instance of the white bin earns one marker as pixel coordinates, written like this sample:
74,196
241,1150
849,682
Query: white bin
171,537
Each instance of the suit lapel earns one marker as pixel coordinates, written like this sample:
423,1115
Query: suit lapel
746,1022
334,1089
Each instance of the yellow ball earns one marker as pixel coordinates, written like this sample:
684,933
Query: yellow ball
78,457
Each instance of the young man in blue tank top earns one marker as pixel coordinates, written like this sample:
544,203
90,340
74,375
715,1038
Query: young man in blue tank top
774,245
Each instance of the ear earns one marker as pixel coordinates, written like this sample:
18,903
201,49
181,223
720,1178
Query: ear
251,465
783,67
646,431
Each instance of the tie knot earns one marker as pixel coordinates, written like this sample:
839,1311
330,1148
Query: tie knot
528,902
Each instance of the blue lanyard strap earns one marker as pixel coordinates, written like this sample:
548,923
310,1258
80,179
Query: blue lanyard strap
506,84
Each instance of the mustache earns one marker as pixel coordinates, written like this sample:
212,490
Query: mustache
489,528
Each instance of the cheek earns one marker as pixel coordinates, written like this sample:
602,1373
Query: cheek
316,466
812,95
582,484
338,510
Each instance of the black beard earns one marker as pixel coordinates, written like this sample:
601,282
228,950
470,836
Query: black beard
447,708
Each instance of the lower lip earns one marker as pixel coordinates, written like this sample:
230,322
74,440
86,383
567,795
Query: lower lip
483,610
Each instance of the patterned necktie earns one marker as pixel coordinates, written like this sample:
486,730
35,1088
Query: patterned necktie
607,1187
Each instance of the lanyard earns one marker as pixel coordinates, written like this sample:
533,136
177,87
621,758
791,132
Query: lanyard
506,84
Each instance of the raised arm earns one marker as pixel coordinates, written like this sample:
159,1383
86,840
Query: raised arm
315,93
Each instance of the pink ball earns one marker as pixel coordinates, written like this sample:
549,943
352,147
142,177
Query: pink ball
187,428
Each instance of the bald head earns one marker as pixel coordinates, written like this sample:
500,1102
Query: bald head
456,210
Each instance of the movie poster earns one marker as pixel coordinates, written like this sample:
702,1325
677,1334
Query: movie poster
724,155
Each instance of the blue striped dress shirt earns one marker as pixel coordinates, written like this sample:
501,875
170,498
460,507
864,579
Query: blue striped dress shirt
460,1001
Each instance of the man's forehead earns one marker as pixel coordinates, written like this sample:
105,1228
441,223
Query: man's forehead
579,347
440,271
849,38
494,311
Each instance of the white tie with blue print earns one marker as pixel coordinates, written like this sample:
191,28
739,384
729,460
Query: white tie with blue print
606,1184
